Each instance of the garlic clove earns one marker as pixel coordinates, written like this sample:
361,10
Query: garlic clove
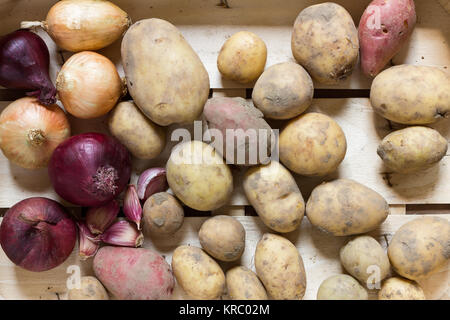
98,219
88,243
132,206
151,181
123,233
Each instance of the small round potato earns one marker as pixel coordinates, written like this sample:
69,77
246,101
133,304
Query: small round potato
91,289
243,284
420,247
198,176
283,91
223,237
365,259
400,289
412,149
312,144
162,213
242,57
341,287
197,273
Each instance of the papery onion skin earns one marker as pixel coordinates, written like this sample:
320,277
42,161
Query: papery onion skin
37,234
90,169
88,85
24,64
30,131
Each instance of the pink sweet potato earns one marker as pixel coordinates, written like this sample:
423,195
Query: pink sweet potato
134,273
384,28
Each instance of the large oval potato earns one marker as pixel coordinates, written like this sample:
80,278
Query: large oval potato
162,214
312,144
325,42
243,284
283,91
411,94
197,273
198,176
341,287
412,149
280,267
420,247
274,194
345,207
165,77
397,288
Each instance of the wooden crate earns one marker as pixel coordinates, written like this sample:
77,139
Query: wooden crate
206,25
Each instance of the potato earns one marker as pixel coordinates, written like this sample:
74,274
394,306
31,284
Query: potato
134,273
223,237
280,267
312,144
198,176
162,214
243,284
91,289
345,207
325,42
411,94
197,273
341,287
242,57
412,149
274,194
400,289
237,121
283,91
143,138
165,77
365,259
420,247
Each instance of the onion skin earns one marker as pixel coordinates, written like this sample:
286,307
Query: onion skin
24,64
37,234
30,131
90,169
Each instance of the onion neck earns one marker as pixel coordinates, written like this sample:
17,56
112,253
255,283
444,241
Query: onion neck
105,180
36,137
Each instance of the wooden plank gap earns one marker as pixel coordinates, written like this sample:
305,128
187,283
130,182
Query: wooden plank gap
431,208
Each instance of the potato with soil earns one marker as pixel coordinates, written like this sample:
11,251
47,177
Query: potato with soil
341,287
344,207
283,91
412,149
365,259
420,247
143,138
411,94
243,284
162,214
165,77
325,42
90,289
197,273
280,267
198,176
223,237
397,288
242,57
274,194
312,144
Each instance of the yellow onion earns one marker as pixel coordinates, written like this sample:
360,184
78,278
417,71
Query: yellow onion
30,131
80,25
88,85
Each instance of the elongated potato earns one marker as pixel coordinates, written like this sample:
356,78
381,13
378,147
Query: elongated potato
412,149
274,194
243,284
197,273
345,207
165,77
411,94
341,287
280,267
397,288
90,289
325,42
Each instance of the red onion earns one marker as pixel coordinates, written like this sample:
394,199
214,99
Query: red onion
37,234
24,64
90,169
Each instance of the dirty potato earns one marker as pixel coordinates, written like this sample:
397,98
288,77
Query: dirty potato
341,287
312,144
283,91
243,284
325,42
162,213
274,194
397,288
90,289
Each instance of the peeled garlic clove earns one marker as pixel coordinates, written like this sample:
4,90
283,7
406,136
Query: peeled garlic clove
123,233
98,219
132,206
151,181
88,243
